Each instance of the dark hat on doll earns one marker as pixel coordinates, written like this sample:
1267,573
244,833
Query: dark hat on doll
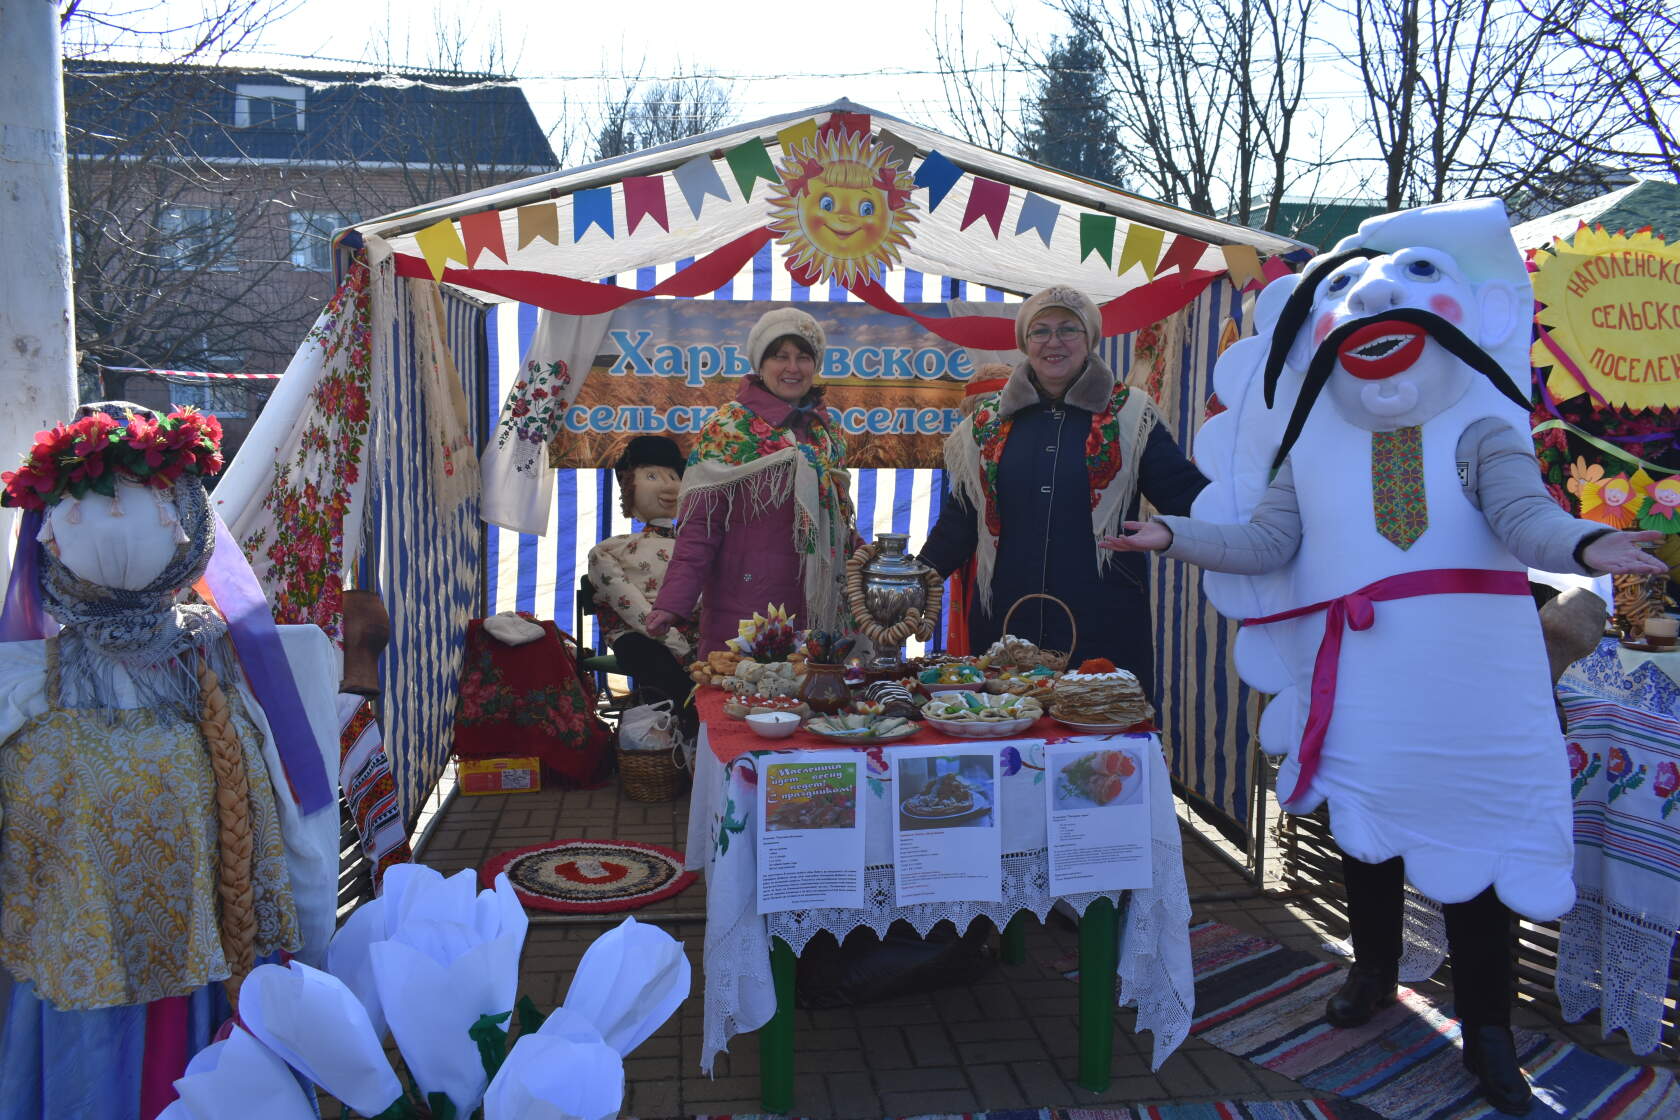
651,451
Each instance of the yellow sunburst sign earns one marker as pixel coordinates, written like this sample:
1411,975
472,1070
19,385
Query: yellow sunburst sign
843,208
1612,304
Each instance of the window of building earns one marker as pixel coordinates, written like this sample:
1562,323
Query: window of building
197,237
272,107
312,232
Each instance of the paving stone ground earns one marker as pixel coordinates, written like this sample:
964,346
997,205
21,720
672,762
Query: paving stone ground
1008,1041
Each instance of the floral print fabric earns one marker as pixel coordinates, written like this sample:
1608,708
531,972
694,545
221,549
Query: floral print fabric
1399,503
1102,449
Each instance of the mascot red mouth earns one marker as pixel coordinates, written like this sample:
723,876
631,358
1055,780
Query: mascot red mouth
1379,350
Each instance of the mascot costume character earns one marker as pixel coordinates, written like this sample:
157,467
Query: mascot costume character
1374,507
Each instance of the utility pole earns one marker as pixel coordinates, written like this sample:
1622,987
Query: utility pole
37,325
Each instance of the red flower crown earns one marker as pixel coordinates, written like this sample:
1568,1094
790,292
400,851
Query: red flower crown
93,453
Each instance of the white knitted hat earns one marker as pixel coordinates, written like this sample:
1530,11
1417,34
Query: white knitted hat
1068,299
782,321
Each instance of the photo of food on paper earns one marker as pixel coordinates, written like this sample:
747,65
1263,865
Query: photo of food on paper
1098,779
946,791
802,795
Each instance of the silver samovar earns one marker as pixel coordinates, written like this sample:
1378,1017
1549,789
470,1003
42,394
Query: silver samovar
893,586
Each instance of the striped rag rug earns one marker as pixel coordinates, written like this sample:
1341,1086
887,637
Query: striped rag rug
1263,1002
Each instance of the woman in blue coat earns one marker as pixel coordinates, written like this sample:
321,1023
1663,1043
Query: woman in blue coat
1041,471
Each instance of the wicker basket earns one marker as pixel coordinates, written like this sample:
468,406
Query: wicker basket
1054,660
649,775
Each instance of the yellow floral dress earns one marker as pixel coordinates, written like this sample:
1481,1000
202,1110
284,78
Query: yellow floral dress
108,854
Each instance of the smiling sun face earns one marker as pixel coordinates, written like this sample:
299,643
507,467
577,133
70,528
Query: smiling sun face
842,209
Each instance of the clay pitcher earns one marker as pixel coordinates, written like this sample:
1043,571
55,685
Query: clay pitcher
367,628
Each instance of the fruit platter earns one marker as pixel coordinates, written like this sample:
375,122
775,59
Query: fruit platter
973,715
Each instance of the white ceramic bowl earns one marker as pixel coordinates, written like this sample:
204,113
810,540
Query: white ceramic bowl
774,725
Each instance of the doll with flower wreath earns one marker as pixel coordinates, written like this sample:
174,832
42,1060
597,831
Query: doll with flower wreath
153,846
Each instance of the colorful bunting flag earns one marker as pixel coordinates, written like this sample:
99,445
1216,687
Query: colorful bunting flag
592,208
1143,246
855,123
1243,261
794,135
1096,234
751,162
986,199
483,232
644,197
938,175
440,243
898,149
1274,268
698,178
1038,214
539,221
1185,254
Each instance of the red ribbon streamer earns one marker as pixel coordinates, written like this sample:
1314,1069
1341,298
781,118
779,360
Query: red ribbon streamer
1356,610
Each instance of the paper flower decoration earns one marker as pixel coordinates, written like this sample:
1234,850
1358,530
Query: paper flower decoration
1611,501
453,957
562,1072
310,1019
630,981
1662,506
348,958
241,1077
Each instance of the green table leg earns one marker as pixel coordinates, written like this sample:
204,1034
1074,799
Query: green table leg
775,1039
1099,950
1013,949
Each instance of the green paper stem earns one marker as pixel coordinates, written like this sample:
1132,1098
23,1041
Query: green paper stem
442,1107
492,1041
530,1019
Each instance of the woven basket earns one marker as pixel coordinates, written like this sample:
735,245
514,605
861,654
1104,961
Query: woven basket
1054,660
649,775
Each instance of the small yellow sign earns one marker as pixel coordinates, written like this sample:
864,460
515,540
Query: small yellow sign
1612,304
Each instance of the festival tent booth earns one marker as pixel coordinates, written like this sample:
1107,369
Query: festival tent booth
548,320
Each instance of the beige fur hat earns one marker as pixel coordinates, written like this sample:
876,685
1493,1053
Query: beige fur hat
780,322
1068,299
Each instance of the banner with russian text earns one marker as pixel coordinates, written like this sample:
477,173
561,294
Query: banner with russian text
664,366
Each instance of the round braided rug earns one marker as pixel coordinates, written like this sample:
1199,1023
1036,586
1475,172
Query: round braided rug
591,876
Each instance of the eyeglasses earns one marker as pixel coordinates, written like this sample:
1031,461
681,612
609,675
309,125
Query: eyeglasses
1067,333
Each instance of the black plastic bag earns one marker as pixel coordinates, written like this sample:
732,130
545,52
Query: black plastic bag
866,969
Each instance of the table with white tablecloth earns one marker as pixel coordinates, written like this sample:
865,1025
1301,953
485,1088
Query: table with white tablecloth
1152,958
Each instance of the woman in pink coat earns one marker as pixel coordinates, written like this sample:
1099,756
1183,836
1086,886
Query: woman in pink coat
766,514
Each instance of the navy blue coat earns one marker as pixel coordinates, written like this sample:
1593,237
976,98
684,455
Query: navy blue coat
1044,508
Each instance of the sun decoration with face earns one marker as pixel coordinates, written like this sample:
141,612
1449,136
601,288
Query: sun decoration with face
843,209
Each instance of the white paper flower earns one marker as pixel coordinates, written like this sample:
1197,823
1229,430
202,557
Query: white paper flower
454,956
562,1072
238,1077
629,982
347,958
314,1022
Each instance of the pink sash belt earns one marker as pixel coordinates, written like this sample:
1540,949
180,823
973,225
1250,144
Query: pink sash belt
1356,610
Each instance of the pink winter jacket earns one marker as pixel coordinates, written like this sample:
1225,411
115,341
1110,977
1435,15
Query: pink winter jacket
740,566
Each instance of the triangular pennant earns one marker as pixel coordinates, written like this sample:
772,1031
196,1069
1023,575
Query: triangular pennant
751,162
898,149
1040,214
938,175
1184,255
440,243
592,208
1143,246
539,221
855,123
794,135
1243,261
483,232
1096,234
698,178
1275,267
986,199
644,197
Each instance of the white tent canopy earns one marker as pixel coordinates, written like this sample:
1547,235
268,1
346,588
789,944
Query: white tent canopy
1017,262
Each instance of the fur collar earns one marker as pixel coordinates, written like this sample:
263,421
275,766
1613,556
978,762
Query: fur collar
1090,391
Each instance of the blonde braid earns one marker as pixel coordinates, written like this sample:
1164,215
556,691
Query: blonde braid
233,813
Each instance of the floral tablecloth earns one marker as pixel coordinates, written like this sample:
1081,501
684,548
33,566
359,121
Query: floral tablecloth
1154,958
1624,757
